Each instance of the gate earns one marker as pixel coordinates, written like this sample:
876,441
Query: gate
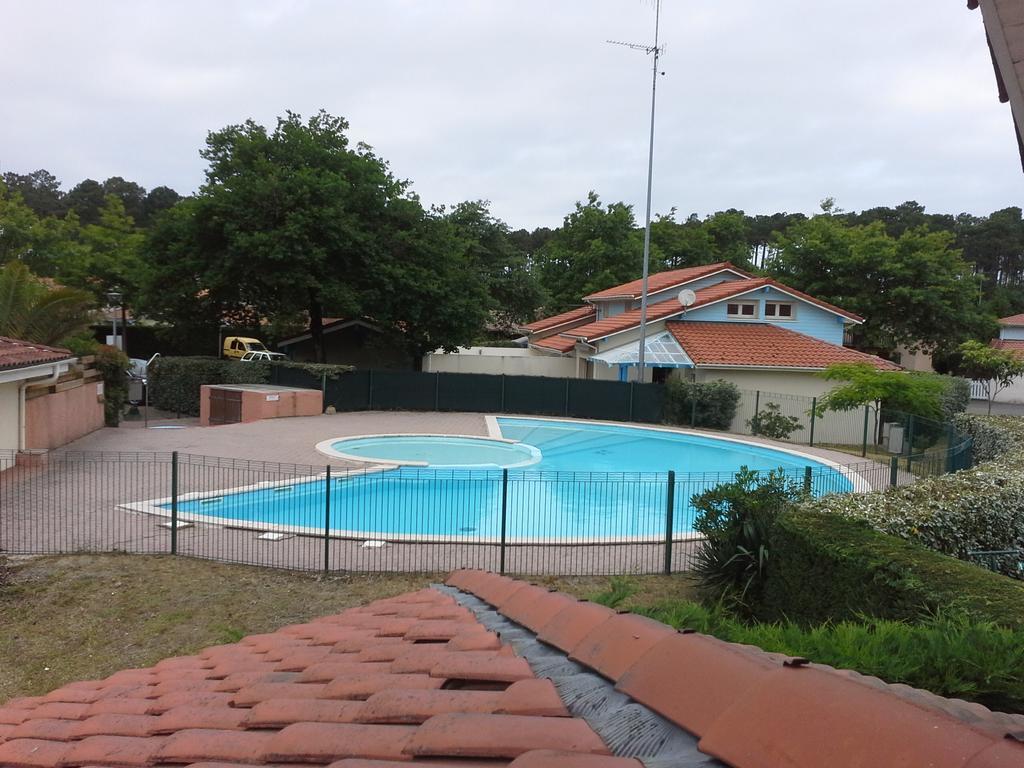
225,406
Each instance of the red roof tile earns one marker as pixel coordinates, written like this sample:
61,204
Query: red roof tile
1012,320
556,343
578,315
1010,345
745,705
661,281
733,343
15,353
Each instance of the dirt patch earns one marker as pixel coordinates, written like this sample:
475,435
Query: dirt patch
84,617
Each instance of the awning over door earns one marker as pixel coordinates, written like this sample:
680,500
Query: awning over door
660,351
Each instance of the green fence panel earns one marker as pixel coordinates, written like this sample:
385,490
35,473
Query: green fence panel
403,391
539,395
648,403
295,377
474,392
590,399
350,391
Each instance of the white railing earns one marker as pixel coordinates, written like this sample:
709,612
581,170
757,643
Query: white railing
978,390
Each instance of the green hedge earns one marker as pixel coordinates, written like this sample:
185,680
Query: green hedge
976,509
174,382
710,404
827,568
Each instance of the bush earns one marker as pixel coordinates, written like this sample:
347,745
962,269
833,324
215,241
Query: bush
736,520
956,397
710,404
827,568
979,509
113,364
771,422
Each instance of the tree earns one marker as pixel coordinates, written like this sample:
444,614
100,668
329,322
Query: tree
110,256
132,195
294,219
915,290
34,311
40,191
598,246
157,201
86,200
994,368
514,293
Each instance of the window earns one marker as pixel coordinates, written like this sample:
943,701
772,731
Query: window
741,309
780,310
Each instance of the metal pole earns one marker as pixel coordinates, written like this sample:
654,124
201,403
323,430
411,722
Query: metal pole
894,471
757,409
864,447
174,502
650,181
808,474
814,410
670,504
504,519
327,520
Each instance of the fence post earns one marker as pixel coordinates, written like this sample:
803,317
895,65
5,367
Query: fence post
808,475
632,391
502,408
864,447
369,390
437,390
327,520
814,416
910,440
565,410
174,502
894,471
670,503
504,520
323,392
693,413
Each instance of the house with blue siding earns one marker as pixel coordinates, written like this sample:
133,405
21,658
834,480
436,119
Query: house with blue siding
709,322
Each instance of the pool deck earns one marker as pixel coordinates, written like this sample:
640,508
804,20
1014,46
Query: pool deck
77,508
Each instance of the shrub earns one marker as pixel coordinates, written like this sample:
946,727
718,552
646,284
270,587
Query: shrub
980,509
771,422
736,520
113,364
709,404
827,568
956,397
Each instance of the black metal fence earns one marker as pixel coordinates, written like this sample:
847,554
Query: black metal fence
336,519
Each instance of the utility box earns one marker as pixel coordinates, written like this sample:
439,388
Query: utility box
239,403
894,443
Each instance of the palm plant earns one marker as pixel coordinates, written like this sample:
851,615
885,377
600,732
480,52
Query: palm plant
31,310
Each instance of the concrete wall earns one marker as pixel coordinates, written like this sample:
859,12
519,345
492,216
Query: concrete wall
58,414
8,423
259,404
510,361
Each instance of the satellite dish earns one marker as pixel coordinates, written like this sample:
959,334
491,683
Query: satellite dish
687,297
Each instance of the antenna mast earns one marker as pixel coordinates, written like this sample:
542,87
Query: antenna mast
657,51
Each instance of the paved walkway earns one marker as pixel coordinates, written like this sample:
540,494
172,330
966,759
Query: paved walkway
70,500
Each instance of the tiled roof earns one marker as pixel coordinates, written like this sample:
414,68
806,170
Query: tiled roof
718,292
439,677
661,281
578,315
760,344
20,354
1010,345
1012,320
556,343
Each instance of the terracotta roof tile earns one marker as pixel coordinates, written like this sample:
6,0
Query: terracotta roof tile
760,344
661,281
580,314
15,353
1010,345
556,343
466,700
1012,320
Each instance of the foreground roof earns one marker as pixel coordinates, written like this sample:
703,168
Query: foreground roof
1010,345
15,353
762,345
491,671
1004,28
661,281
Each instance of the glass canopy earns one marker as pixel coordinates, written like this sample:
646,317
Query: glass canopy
660,351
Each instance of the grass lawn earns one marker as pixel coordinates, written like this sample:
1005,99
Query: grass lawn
82,617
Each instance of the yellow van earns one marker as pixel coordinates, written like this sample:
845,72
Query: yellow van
237,347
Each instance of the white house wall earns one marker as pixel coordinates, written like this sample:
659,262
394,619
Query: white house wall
509,361
8,421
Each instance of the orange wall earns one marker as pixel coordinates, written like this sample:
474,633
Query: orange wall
56,419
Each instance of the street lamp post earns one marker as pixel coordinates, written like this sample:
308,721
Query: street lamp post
114,299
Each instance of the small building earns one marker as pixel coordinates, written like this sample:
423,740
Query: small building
1011,339
356,342
47,398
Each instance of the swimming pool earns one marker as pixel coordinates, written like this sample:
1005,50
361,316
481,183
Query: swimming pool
592,482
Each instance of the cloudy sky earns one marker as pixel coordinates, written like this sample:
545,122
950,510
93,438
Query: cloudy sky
764,106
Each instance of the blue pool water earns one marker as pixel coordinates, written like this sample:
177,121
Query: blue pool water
592,481
439,451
